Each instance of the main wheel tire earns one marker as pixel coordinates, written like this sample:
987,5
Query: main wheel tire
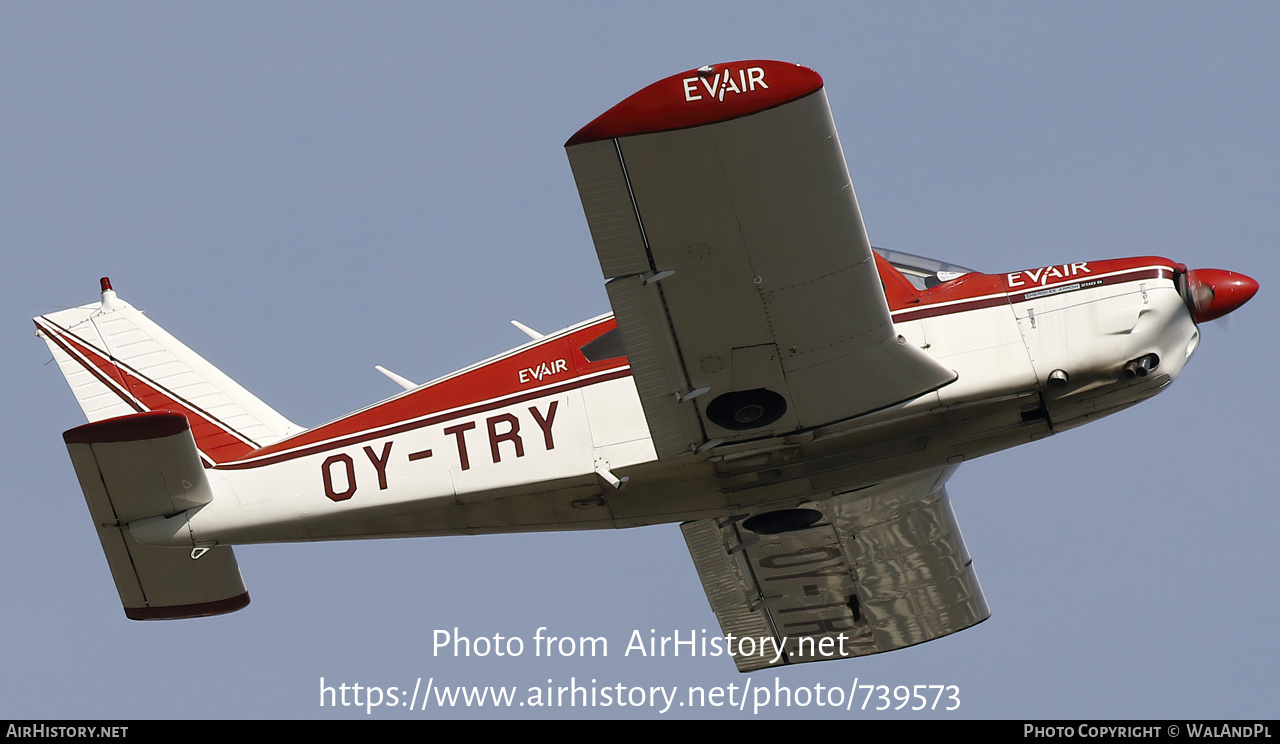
742,410
783,520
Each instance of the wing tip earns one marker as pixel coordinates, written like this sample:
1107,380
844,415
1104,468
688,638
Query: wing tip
705,95
131,428
188,611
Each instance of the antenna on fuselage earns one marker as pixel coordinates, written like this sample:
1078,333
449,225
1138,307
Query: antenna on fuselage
403,382
528,331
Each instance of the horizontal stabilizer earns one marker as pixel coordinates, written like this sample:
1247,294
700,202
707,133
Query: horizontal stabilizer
146,465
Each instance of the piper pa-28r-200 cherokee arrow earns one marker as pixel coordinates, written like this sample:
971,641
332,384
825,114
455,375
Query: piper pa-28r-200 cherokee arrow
793,397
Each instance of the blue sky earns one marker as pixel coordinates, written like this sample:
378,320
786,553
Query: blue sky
300,191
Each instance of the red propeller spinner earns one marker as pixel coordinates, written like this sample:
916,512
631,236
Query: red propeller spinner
1212,293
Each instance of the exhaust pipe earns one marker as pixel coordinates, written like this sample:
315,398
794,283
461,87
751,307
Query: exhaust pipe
1141,366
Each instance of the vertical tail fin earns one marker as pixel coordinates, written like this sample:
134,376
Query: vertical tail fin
118,362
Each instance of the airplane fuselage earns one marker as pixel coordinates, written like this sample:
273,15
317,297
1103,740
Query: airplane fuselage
1035,351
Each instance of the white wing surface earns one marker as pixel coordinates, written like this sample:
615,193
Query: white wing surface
866,572
737,263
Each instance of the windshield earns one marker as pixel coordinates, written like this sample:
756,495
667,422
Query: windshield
923,273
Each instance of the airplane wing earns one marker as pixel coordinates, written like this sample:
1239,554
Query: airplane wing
737,263
870,571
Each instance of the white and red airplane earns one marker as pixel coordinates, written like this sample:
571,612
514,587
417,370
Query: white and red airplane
792,396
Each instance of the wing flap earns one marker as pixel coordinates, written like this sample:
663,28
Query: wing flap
611,215
656,365
726,586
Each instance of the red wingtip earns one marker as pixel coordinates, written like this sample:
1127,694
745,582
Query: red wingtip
703,96
133,427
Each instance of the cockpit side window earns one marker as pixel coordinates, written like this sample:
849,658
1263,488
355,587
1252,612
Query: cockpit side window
607,345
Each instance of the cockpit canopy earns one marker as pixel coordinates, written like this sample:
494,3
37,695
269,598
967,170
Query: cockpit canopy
923,273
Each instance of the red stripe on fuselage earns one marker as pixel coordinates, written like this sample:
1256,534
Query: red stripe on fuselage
261,458
552,367
498,383
557,361
976,291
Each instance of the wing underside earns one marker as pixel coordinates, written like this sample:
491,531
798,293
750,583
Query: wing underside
863,573
737,263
